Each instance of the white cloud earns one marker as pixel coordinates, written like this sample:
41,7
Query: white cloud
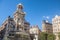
56,15
46,17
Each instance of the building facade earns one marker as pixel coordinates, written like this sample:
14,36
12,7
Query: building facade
34,31
16,28
56,25
47,27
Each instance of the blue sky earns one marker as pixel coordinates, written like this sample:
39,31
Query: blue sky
36,10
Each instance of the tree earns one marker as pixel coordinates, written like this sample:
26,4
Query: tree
46,36
59,35
51,37
42,36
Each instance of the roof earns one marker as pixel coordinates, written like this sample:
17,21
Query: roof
45,22
25,22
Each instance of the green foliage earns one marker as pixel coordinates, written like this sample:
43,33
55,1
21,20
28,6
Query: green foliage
59,35
51,37
42,36
46,36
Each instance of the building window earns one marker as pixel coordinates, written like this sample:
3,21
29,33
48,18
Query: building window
25,29
11,34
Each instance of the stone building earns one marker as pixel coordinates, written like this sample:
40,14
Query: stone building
16,28
47,27
56,26
34,31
